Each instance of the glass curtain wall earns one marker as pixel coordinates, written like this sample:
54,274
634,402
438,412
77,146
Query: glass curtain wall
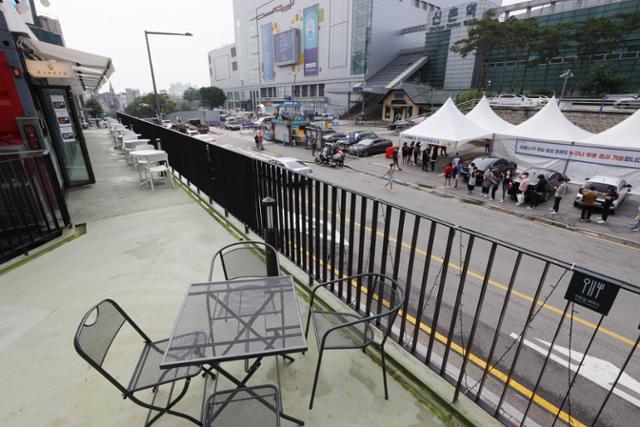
361,32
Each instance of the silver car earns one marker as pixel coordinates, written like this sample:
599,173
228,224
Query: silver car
293,164
601,184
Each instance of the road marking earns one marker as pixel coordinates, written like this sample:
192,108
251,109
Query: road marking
599,371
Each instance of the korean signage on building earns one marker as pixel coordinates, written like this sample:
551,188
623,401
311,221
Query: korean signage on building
580,153
310,29
49,69
453,17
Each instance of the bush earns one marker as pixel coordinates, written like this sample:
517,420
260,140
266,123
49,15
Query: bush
469,95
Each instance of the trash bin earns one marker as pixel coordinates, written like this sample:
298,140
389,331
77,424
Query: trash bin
389,153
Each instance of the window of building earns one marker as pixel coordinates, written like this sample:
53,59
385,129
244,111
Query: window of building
234,66
313,90
233,52
360,35
321,89
305,91
209,60
263,92
296,91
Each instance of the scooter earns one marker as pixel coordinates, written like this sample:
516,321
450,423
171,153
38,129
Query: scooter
328,155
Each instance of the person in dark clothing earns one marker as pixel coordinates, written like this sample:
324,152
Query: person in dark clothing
394,157
434,157
405,153
609,197
443,150
538,192
256,139
314,147
425,159
410,152
416,153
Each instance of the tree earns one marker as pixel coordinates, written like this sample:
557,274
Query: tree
212,97
191,94
94,107
604,80
145,106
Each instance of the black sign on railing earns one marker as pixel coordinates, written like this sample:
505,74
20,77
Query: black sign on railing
592,292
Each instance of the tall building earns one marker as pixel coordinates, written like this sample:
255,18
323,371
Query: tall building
131,94
176,90
321,53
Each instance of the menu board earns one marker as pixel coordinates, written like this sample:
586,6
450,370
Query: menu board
63,118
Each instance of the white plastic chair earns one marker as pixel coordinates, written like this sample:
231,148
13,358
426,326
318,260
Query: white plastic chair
157,164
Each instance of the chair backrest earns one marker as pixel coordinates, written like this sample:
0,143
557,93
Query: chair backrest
97,331
384,300
145,147
245,260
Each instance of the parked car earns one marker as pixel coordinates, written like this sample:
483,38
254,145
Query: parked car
497,164
511,100
232,124
333,137
539,100
400,124
552,176
366,147
629,102
293,164
167,124
355,137
601,184
263,121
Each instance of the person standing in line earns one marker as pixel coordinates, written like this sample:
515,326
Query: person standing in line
588,198
487,182
410,152
434,157
610,196
425,158
635,225
443,150
560,190
473,174
457,174
497,179
314,147
389,177
394,156
416,152
448,174
405,153
456,160
522,188
507,182
538,192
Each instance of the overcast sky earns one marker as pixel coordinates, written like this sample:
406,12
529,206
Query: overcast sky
115,28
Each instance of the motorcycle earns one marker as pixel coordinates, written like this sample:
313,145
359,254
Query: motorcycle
331,156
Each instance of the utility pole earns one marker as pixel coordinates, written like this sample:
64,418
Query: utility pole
566,75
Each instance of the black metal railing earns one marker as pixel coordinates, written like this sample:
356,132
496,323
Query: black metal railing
489,316
32,207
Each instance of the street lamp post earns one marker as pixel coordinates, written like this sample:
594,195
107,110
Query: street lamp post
153,77
566,76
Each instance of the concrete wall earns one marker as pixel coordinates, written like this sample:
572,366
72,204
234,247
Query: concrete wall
590,121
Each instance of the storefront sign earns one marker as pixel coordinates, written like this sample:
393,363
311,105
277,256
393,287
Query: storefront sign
286,47
49,69
267,52
311,41
453,17
63,118
591,292
580,153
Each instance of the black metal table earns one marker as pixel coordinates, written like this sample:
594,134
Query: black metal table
237,320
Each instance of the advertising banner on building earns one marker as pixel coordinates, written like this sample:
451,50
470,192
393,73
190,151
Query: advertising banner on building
267,52
286,47
580,153
310,29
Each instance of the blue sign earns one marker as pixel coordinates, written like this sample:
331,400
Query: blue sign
310,29
267,52
286,48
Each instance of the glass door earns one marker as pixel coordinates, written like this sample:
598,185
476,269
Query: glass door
68,140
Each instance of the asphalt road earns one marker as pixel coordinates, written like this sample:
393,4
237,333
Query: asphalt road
609,349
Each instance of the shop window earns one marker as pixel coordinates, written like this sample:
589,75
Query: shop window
305,91
313,90
321,89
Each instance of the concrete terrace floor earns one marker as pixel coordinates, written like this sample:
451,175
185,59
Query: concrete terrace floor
143,249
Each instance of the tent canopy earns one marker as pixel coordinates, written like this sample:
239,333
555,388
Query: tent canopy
548,124
484,116
623,135
447,124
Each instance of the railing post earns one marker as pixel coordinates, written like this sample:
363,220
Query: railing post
270,235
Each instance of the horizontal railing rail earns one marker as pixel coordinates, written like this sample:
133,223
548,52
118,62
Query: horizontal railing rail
498,321
32,207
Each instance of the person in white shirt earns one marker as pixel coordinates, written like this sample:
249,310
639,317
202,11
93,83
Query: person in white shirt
522,187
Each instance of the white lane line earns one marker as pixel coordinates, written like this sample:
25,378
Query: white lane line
599,371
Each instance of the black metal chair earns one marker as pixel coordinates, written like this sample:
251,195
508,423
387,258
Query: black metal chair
94,337
338,331
245,259
258,406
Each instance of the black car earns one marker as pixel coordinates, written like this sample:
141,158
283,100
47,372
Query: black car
333,137
366,147
552,176
497,164
400,124
355,137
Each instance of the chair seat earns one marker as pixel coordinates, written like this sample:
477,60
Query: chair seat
158,168
148,372
243,407
355,336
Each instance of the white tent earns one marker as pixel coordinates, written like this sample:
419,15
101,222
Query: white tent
625,134
446,126
548,124
484,116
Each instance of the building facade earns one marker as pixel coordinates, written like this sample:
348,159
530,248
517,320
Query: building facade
317,52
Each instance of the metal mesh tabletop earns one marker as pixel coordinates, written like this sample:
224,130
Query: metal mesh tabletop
240,319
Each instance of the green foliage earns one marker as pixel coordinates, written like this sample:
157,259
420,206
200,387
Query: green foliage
541,91
212,97
94,108
191,94
145,105
604,80
469,95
